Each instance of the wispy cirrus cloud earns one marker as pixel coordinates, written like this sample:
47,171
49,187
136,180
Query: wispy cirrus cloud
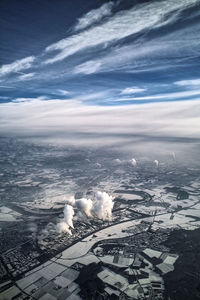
132,90
27,76
6,87
92,97
16,66
87,68
18,100
63,92
78,98
160,52
116,45
175,95
94,16
3,98
119,26
189,82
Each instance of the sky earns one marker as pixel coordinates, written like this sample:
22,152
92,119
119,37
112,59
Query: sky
103,69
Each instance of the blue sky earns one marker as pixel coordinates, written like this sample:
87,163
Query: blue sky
75,66
106,52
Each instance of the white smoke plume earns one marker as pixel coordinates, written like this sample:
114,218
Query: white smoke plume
85,205
156,162
68,215
118,161
103,206
173,155
63,227
133,162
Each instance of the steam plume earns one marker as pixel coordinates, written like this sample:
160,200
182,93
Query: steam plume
156,162
103,206
85,205
68,215
133,161
173,155
117,161
63,227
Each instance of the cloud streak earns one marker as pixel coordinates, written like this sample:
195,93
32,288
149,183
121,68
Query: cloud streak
120,26
189,82
89,67
80,124
16,66
132,90
26,76
176,95
94,16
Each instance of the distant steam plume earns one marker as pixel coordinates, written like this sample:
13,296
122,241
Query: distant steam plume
156,162
133,162
117,161
173,155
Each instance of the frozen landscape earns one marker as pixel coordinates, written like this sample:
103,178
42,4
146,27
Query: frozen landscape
95,212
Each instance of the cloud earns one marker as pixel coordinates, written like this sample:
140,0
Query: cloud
119,26
124,58
161,53
17,100
26,76
189,82
88,67
16,66
93,96
63,92
3,98
6,87
132,90
79,124
143,54
175,95
94,16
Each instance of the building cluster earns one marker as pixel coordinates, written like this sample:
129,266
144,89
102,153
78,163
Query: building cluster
141,237
53,242
18,261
